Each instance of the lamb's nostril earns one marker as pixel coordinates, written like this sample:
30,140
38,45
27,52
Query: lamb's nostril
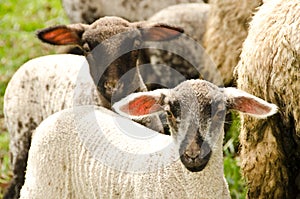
193,154
193,150
111,86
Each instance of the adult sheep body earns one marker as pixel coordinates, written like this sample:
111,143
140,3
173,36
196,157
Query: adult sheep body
91,152
270,68
227,28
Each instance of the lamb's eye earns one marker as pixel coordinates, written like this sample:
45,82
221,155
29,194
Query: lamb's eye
86,47
91,45
175,109
137,42
169,113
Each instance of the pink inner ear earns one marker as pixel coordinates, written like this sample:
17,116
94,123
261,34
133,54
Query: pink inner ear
60,36
141,106
251,106
162,33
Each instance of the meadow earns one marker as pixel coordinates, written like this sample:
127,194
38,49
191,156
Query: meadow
19,21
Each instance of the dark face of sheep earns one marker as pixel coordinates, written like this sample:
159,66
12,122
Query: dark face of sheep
111,45
195,112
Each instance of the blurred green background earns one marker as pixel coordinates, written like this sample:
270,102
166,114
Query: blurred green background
18,22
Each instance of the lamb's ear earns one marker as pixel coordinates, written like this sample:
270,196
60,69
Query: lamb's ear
249,104
62,34
159,32
141,104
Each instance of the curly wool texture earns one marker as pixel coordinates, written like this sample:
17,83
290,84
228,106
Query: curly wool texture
270,68
73,155
227,29
87,11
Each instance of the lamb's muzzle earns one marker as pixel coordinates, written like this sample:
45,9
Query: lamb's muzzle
195,155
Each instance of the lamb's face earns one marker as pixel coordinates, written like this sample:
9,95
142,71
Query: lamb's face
196,112
111,45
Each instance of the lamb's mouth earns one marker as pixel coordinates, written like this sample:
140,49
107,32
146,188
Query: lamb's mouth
195,164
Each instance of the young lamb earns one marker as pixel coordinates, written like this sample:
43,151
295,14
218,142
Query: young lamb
182,58
169,63
91,152
227,28
48,84
80,11
270,68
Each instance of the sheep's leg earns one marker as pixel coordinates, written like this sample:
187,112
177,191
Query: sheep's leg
19,146
19,160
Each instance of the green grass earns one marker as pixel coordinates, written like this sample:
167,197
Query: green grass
5,173
18,22
232,161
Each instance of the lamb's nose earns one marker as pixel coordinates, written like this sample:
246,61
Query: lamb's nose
196,156
114,87
111,85
192,153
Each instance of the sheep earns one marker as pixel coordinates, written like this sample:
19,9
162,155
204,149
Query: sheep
182,58
169,63
91,152
88,11
46,85
269,68
227,28
127,37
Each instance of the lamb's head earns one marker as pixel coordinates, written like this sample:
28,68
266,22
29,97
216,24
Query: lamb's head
111,45
195,112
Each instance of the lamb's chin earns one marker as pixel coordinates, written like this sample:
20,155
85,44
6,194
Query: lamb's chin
195,164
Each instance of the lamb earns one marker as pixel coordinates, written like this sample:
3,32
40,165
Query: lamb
269,68
48,84
91,152
169,63
88,11
227,28
181,58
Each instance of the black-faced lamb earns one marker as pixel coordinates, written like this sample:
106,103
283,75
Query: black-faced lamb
91,152
270,68
226,30
169,63
48,84
81,11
